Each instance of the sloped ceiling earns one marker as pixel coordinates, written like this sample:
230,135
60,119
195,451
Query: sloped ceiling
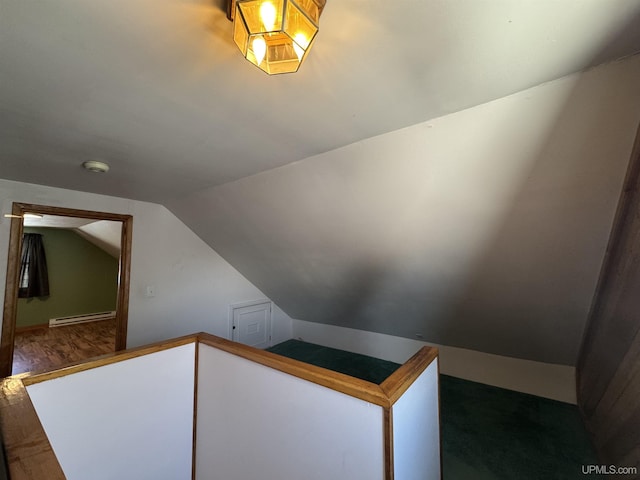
104,234
158,89
392,196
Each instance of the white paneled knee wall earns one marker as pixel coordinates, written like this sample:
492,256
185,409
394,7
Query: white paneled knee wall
212,409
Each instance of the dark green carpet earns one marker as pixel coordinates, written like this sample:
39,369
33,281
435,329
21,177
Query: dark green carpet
353,364
493,433
488,433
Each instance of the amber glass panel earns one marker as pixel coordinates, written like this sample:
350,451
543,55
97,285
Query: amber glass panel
310,7
279,48
240,34
253,13
298,26
251,55
281,56
288,66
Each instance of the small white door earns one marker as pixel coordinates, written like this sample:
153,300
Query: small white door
251,324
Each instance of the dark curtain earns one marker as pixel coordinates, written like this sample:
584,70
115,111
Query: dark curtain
34,278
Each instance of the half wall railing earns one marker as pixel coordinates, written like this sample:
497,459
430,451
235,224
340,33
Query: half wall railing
201,407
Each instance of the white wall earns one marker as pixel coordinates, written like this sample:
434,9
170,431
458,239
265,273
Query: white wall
131,420
194,286
416,429
256,423
542,379
484,229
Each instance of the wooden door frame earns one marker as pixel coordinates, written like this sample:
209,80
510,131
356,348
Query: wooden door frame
13,274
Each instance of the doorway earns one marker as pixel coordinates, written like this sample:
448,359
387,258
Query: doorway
13,273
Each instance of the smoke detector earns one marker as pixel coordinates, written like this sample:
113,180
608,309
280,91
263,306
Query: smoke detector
96,166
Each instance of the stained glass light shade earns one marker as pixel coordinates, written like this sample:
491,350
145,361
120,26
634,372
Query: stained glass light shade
276,35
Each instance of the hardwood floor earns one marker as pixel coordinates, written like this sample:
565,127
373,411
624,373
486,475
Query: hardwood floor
46,349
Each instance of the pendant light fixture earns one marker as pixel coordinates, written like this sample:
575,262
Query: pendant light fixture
275,35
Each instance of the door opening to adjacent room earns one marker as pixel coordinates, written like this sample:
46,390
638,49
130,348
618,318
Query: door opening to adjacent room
7,341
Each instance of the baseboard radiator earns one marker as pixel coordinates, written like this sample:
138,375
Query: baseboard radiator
74,319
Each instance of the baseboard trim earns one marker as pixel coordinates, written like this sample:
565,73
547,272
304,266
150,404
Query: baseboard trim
28,328
83,318
556,382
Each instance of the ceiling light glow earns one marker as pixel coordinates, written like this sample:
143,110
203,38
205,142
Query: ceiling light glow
259,47
268,15
275,35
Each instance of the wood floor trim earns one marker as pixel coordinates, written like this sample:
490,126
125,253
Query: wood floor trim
399,381
195,411
30,328
339,382
29,453
387,425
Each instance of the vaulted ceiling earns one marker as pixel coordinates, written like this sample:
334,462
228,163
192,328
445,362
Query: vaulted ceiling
404,202
157,88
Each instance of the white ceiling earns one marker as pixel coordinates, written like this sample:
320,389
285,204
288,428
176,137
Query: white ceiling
157,88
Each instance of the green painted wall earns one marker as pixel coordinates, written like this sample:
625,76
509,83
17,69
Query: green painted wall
82,279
